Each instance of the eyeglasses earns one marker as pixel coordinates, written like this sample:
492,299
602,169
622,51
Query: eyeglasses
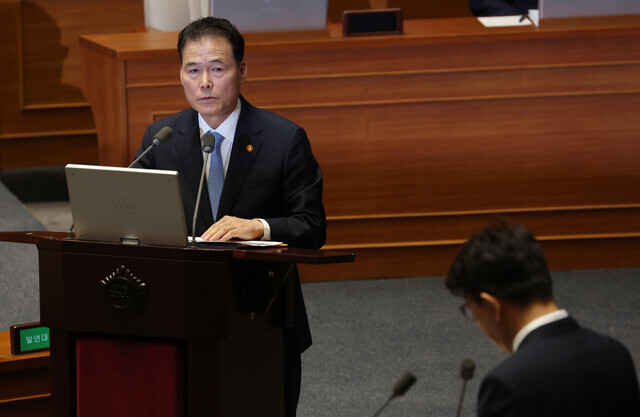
466,311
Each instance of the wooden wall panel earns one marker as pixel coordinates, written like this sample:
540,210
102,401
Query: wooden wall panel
427,50
425,85
423,157
144,112
50,71
434,260
151,72
104,103
41,102
44,151
422,229
25,382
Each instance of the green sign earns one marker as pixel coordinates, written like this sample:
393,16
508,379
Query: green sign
34,338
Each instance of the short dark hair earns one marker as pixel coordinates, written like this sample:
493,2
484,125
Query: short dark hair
504,260
212,27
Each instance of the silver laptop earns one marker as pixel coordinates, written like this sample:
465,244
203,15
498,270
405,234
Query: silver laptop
127,205
272,15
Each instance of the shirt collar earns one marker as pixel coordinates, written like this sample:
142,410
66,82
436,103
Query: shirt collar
227,128
536,323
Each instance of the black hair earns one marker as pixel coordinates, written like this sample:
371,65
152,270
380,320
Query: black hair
504,260
208,27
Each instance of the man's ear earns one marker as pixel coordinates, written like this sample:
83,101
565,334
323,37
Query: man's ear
493,303
243,72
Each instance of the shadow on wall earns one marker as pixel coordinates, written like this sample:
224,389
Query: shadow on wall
43,56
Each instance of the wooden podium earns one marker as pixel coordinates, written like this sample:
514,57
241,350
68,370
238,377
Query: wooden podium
165,331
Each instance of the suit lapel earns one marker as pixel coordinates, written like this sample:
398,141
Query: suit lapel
190,153
246,147
553,329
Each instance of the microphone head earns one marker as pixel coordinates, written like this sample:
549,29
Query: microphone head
162,135
208,142
467,368
403,384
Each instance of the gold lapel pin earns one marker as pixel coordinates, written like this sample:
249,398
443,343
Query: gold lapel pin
249,148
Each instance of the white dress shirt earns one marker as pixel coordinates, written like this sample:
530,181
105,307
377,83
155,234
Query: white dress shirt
536,323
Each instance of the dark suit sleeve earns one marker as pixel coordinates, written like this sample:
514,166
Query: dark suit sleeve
496,399
303,223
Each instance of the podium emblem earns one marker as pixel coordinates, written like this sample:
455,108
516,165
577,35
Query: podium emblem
124,291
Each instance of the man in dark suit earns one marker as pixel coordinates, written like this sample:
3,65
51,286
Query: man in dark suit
270,184
557,367
501,7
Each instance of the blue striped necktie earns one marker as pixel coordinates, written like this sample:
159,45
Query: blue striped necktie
216,175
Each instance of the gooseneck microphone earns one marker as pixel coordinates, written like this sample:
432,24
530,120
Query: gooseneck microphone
467,368
208,142
162,136
400,387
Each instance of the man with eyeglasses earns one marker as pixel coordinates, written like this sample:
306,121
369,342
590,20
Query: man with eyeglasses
557,367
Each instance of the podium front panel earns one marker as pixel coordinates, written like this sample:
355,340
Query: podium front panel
163,331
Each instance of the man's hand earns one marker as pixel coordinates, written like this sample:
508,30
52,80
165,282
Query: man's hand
230,227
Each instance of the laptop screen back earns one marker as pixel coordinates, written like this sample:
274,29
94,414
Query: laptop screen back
126,205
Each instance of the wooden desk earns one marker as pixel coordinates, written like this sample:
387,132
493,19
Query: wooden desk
422,137
25,382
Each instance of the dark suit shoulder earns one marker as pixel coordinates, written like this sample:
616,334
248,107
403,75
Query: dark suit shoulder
549,348
566,370
186,117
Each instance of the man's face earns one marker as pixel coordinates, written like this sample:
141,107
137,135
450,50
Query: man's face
211,78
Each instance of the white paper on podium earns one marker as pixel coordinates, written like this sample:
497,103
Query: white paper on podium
504,21
244,243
